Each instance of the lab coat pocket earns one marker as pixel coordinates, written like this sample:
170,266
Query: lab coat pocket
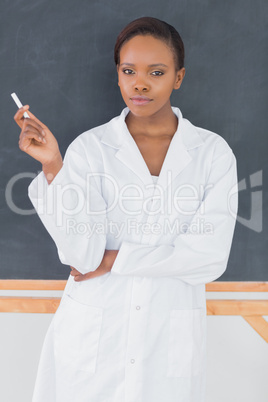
77,329
186,347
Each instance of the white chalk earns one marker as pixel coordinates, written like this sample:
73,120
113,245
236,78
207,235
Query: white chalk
19,104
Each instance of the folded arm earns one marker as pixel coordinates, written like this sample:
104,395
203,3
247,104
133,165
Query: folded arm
193,257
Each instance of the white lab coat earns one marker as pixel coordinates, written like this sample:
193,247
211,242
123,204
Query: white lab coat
137,333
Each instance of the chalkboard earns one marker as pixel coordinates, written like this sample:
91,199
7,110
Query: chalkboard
58,57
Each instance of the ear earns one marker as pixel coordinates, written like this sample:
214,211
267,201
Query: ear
179,78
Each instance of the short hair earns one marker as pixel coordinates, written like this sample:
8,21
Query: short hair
156,28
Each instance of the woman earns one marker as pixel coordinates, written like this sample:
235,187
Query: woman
143,209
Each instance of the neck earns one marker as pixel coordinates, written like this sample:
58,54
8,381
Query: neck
164,122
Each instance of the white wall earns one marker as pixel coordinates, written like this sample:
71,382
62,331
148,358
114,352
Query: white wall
237,357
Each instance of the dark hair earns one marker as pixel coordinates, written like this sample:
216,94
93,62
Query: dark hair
156,28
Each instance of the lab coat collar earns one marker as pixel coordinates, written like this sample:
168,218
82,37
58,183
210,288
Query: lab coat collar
177,158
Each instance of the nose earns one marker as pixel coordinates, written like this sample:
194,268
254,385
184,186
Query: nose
141,88
140,85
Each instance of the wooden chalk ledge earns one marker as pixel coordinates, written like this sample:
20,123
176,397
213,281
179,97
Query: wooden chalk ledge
251,310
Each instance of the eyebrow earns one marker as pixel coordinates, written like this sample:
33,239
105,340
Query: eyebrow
150,65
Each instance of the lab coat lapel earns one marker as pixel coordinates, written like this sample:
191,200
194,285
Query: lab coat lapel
128,152
177,158
130,155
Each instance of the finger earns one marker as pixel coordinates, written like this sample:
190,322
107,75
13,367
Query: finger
33,123
26,140
91,275
75,272
27,143
19,118
33,117
29,128
80,278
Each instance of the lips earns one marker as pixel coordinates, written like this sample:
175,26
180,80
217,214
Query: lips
140,100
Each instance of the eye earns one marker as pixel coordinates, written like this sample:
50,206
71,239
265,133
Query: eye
157,73
128,71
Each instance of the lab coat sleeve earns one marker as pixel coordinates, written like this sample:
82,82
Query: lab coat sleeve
197,257
73,210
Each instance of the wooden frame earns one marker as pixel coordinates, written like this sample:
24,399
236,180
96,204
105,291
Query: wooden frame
251,310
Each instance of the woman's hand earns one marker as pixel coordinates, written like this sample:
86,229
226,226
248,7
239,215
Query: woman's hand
104,267
38,141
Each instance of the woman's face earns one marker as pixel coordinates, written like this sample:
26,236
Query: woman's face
147,69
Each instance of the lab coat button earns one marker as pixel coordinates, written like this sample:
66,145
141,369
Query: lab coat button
137,307
132,361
